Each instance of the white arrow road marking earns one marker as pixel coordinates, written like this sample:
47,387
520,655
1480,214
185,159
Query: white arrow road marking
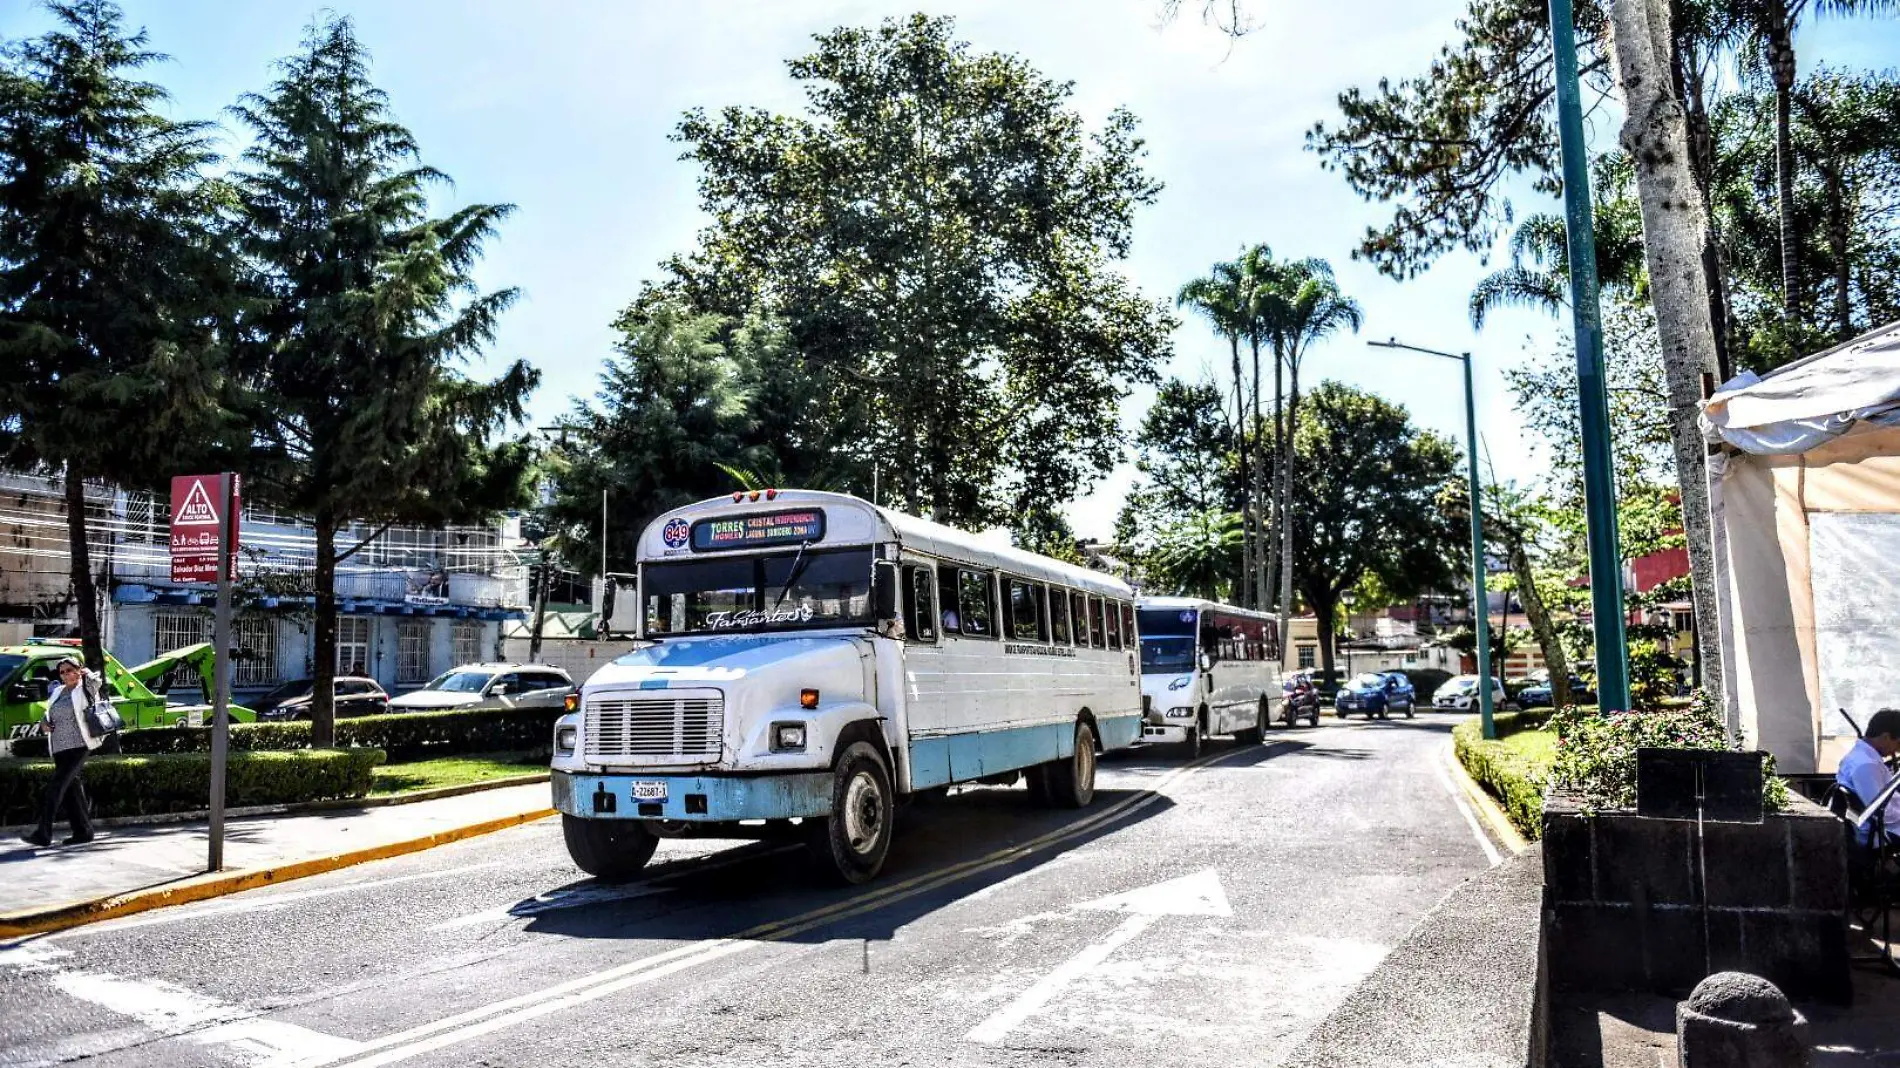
173,1011
1199,894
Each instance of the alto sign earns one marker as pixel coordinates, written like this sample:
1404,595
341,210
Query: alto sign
198,503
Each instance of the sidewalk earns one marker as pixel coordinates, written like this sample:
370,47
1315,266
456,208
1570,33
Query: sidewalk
131,869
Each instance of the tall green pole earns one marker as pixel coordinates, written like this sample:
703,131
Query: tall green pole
1480,600
1599,487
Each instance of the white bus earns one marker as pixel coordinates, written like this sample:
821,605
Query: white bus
818,659
1207,668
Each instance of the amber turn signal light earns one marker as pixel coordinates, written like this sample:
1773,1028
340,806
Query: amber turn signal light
808,698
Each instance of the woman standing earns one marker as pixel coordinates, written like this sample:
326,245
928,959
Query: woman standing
71,741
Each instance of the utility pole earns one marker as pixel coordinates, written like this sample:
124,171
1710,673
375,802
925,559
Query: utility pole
1599,488
1480,600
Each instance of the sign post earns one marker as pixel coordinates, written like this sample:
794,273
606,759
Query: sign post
204,536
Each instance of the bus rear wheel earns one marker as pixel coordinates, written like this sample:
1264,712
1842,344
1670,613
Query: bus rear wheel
1262,722
1070,782
851,844
608,849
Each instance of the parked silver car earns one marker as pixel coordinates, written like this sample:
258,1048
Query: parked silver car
490,686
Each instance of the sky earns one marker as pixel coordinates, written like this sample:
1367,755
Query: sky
564,110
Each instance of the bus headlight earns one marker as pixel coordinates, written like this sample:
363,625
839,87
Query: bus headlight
564,738
1180,712
788,737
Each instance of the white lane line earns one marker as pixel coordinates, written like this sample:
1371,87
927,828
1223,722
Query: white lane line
1471,818
1031,1001
262,904
172,1011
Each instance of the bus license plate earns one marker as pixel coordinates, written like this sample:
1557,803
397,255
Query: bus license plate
649,791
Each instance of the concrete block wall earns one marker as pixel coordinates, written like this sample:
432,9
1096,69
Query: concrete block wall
1626,892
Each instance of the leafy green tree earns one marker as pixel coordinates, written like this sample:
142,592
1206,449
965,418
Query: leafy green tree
115,286
1367,504
368,309
1226,298
1194,556
671,424
939,233
1184,453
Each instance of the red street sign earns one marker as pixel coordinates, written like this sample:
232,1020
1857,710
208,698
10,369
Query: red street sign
197,501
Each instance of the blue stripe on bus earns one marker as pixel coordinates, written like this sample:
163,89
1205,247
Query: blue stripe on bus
938,760
653,684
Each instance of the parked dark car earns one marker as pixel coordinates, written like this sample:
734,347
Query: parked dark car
355,696
1375,693
1538,694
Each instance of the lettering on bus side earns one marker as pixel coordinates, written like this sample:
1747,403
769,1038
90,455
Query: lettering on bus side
1039,650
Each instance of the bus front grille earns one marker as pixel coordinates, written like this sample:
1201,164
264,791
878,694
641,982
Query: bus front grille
655,729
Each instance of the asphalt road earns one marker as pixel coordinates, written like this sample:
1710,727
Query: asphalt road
1195,914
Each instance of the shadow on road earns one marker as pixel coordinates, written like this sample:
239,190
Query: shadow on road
942,853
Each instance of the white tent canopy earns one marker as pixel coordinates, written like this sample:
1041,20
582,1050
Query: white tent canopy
1793,409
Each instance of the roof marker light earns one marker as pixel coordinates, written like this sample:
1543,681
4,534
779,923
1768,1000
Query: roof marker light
771,494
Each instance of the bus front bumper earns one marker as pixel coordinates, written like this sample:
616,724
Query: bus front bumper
692,798
1151,732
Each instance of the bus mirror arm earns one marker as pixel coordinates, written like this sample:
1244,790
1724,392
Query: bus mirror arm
1207,661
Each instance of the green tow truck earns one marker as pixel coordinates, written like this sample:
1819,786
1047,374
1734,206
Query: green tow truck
27,677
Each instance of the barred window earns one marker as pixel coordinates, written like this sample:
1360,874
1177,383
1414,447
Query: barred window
176,630
1307,661
412,651
466,639
147,519
257,637
352,645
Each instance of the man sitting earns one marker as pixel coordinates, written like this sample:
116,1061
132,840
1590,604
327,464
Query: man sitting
1864,769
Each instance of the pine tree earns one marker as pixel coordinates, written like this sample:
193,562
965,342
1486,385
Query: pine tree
115,290
364,414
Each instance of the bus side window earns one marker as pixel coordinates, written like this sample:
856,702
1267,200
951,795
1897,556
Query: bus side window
1025,611
947,600
1114,626
1079,605
1041,595
1058,615
1128,624
976,601
1098,630
920,613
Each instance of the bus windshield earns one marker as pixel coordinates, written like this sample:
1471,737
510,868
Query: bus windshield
1166,655
790,590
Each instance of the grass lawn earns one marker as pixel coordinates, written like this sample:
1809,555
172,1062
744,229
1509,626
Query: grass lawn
1536,746
455,771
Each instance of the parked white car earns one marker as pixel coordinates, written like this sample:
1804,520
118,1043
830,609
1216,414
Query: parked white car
490,686
1461,694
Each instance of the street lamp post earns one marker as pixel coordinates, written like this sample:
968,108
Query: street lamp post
1480,606
1599,489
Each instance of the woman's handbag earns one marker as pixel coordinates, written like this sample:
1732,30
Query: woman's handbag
102,717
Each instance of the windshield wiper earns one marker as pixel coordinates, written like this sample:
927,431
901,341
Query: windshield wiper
798,568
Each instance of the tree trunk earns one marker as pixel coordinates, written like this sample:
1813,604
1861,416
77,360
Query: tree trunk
540,609
323,668
1247,517
1838,233
1286,505
1547,640
1281,512
1655,134
1781,43
1702,150
85,591
1257,578
1323,609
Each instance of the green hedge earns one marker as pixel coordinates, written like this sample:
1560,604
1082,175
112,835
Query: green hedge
1515,782
404,736
147,785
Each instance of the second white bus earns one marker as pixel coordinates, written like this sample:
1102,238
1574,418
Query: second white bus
1207,668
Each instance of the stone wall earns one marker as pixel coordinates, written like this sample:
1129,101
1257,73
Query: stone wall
1624,895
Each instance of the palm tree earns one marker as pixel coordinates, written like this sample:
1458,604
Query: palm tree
1767,49
1301,304
1225,299
1539,274
1191,555
1257,269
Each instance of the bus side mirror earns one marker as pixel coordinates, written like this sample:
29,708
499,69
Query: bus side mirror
884,591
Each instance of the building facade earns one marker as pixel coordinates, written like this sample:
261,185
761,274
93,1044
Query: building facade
412,602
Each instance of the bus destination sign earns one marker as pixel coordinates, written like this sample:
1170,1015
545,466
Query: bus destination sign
756,531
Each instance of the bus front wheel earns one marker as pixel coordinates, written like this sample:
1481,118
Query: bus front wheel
851,844
608,849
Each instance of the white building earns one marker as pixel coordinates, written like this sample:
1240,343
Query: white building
412,603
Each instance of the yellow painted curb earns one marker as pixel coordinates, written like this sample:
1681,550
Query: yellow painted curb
1487,806
218,884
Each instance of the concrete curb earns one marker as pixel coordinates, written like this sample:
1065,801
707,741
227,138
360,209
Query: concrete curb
157,819
1495,821
218,884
